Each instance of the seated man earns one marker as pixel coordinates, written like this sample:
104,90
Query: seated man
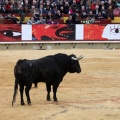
69,20
41,20
87,21
58,15
51,21
99,16
31,21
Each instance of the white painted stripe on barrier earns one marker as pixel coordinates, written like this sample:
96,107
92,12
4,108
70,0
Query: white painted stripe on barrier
79,33
26,32
33,42
102,57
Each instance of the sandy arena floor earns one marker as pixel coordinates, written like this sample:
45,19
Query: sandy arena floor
92,95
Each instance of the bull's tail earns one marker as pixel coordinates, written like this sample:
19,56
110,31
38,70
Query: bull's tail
15,92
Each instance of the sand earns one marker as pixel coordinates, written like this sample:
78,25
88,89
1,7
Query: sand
94,94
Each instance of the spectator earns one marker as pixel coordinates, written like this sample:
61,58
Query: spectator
58,15
78,20
32,10
41,10
1,18
12,10
110,12
0,9
8,16
41,20
66,8
103,11
49,15
19,22
118,3
31,21
116,11
69,20
62,10
99,16
15,20
47,9
90,15
87,21
96,11
51,21
3,10
83,15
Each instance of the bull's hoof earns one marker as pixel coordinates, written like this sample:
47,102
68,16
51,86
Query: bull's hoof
48,99
29,103
22,103
55,100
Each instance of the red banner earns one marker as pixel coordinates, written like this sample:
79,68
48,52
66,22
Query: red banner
11,32
53,32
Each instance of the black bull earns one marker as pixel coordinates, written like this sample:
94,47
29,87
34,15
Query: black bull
50,69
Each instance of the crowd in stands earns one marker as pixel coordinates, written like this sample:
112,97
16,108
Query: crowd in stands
46,11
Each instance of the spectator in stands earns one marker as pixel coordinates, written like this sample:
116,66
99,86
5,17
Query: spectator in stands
19,22
20,9
58,15
41,20
78,20
116,11
83,13
60,4
69,20
15,20
104,13
49,15
99,16
32,10
1,18
31,21
62,10
110,12
54,11
117,3
12,10
8,16
70,10
0,9
90,15
4,9
66,8
96,11
48,9
51,21
41,10
87,21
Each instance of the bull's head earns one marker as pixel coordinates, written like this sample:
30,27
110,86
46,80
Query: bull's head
74,64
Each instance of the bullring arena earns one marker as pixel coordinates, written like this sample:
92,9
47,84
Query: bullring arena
94,94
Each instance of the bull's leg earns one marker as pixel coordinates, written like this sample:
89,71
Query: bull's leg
48,86
27,89
21,94
55,86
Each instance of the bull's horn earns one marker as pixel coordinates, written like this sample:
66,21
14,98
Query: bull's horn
77,58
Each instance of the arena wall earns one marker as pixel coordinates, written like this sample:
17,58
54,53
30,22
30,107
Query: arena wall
60,45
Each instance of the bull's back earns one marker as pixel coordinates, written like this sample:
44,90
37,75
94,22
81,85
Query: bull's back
48,69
